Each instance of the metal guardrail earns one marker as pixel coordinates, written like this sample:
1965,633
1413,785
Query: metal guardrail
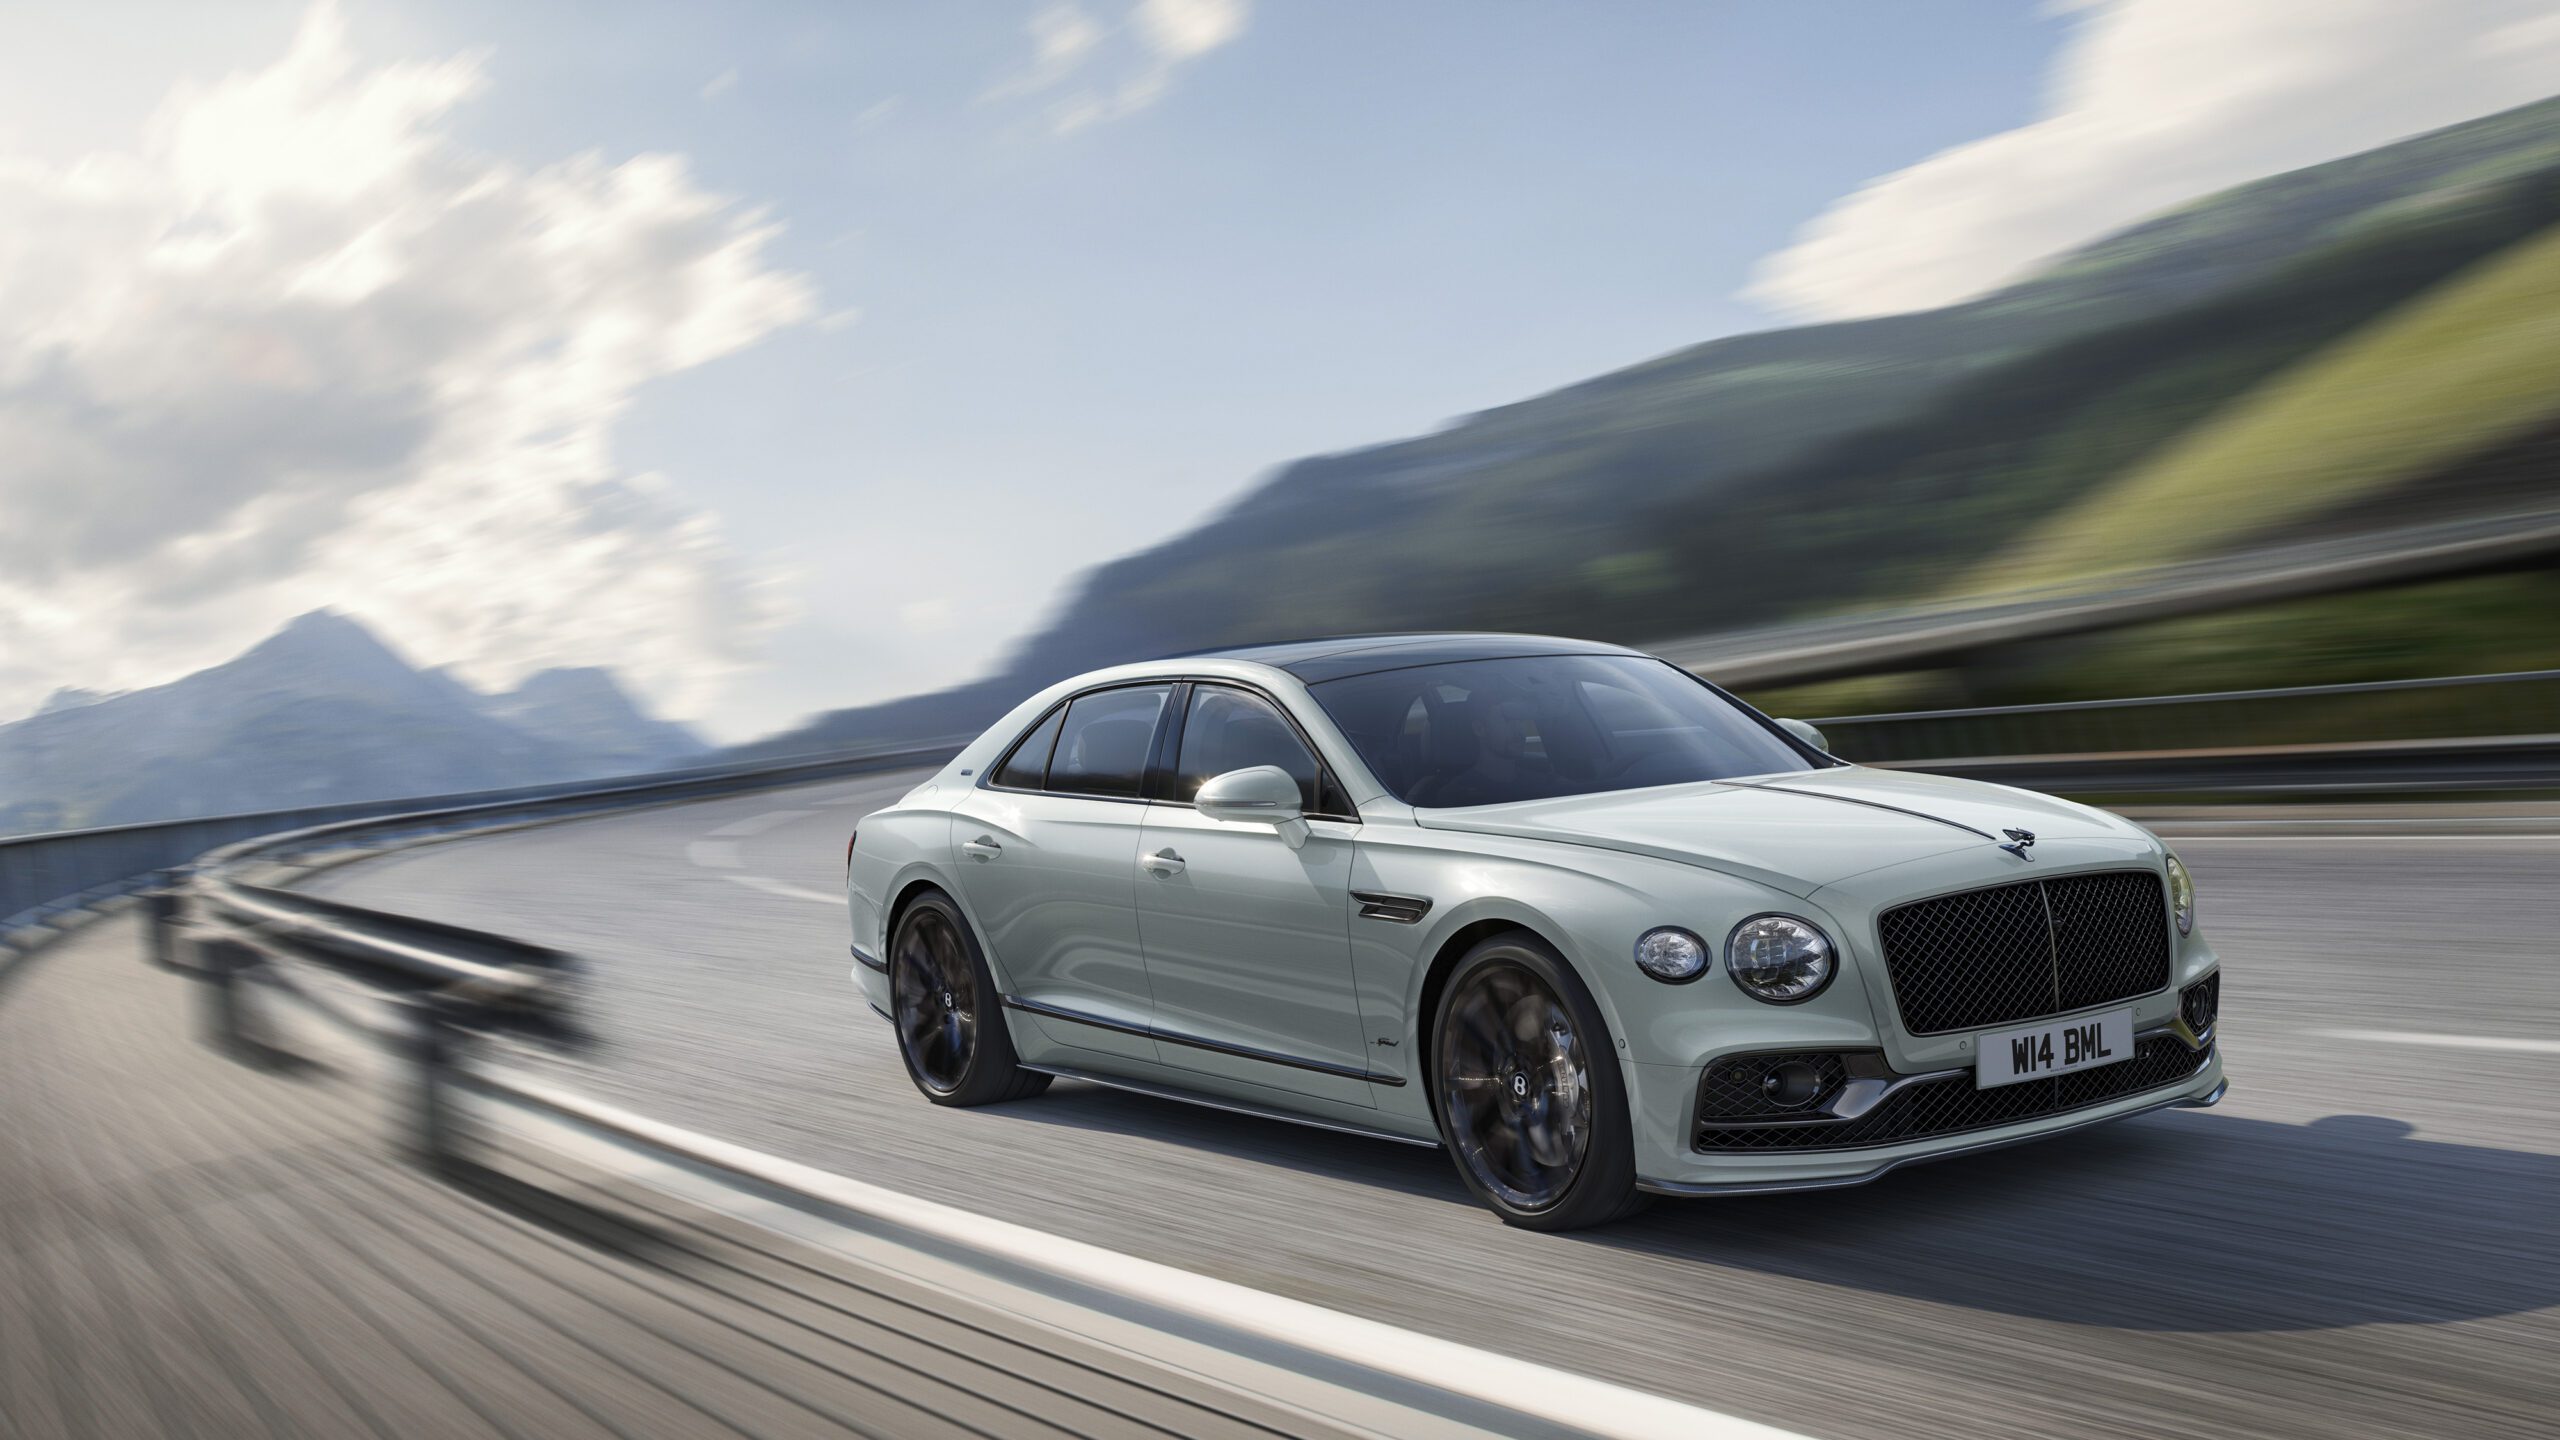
2460,732
44,875
2383,716
1875,641
459,1111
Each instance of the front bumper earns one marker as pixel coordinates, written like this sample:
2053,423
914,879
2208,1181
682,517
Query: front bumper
1907,1119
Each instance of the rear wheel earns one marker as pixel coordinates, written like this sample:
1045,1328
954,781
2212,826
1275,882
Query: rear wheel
950,1032
1526,1085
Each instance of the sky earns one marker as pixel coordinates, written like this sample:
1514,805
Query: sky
787,356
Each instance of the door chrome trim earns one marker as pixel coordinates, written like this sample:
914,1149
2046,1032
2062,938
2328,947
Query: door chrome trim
1236,1107
1060,1012
1170,1037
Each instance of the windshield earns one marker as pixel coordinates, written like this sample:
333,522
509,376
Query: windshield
1483,732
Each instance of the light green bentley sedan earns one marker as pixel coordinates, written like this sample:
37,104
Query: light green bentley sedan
1594,925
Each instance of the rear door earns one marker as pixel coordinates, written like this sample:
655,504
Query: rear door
1048,858
1248,942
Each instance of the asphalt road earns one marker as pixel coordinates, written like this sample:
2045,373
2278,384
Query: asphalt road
2363,1240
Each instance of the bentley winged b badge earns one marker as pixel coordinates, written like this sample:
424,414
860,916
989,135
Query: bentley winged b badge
2020,842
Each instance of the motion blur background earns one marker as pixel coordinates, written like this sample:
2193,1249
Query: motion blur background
2156,401
757,368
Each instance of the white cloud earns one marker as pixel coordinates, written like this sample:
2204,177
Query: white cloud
1091,73
300,347
2153,103
720,84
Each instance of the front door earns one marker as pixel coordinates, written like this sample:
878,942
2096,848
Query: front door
1248,944
1047,853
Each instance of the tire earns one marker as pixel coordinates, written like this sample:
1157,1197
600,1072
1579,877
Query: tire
951,1032
1526,1087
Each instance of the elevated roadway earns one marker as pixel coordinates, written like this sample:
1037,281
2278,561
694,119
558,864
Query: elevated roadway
2357,1243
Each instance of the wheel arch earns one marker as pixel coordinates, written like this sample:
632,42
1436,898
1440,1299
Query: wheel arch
916,881
1465,932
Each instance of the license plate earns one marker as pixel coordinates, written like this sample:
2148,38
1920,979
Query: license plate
2009,1056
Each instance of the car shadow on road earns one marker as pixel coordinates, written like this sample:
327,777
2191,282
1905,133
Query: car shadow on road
2197,1221
2187,1221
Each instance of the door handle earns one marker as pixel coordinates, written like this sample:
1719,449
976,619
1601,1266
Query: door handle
981,849
1164,862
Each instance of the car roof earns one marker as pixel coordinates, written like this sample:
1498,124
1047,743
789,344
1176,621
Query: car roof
1339,656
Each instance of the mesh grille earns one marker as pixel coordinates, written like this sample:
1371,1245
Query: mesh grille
2027,949
2199,1003
1730,1090
1952,1106
2110,936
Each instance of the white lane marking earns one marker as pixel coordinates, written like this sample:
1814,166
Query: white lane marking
1574,1402
714,854
785,890
2447,1042
758,824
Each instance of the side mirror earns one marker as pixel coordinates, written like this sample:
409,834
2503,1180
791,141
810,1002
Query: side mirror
1806,733
1261,795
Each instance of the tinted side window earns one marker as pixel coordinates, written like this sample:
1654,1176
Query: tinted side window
1029,762
1236,730
1102,748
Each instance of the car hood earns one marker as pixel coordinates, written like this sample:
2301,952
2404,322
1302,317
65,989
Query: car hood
1795,832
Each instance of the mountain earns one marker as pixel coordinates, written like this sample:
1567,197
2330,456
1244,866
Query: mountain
72,697
321,712
585,708
1762,476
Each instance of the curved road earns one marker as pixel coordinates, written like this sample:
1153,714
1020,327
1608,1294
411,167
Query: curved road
2363,1240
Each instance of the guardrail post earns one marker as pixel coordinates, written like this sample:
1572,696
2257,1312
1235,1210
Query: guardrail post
163,908
435,1034
220,964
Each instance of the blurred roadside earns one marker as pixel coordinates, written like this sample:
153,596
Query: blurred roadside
2360,349
2347,370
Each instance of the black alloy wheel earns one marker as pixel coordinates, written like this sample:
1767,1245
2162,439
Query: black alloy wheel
950,1033
1528,1091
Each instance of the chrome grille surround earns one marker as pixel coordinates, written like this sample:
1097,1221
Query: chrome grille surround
2002,954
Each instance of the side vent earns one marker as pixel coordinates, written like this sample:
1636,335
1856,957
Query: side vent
1396,909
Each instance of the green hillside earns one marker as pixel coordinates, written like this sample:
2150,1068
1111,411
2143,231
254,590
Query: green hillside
1831,467
2465,367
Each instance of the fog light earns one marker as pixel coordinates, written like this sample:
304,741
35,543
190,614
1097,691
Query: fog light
1791,1085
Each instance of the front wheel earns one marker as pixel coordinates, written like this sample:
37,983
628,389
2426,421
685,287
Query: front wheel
950,1032
1526,1086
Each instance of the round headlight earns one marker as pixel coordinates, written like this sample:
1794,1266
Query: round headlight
1779,958
1671,955
2182,896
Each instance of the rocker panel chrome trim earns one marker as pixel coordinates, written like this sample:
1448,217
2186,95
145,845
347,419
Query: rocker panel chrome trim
1235,1107
1241,1052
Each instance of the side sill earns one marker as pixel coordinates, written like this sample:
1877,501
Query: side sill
1233,1107
1242,1052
